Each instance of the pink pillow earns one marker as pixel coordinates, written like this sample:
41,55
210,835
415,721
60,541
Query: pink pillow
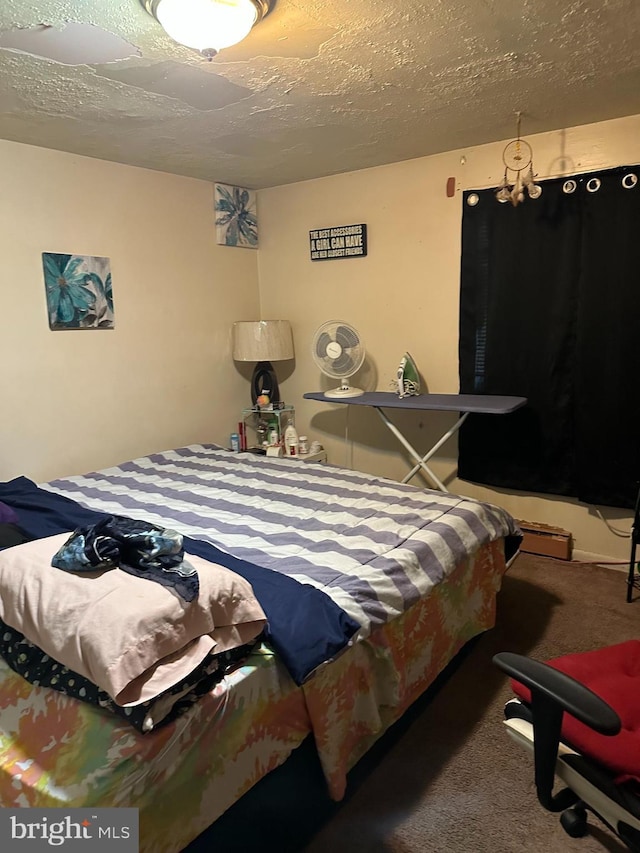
130,636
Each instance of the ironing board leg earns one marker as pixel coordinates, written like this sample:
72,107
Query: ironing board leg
448,434
421,461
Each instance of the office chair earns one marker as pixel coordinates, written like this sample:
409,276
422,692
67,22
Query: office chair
580,717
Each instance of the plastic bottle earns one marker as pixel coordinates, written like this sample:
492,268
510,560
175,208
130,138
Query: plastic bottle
291,440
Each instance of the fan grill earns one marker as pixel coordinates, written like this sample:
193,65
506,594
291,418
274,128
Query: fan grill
339,353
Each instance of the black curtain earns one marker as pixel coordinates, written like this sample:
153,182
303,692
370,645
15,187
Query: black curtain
549,307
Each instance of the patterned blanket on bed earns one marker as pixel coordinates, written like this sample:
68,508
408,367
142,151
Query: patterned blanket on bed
372,545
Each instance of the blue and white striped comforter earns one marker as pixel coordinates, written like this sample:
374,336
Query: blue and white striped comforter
373,545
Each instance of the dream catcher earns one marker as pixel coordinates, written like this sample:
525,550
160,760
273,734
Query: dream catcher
518,171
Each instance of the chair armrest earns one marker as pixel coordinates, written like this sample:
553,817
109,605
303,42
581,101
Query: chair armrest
553,693
565,691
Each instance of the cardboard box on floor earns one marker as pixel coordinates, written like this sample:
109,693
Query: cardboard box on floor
545,540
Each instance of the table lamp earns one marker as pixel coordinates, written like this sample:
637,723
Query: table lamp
263,341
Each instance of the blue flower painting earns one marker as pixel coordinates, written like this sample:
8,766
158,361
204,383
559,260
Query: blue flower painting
236,218
79,294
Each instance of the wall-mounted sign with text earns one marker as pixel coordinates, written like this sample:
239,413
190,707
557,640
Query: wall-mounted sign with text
341,241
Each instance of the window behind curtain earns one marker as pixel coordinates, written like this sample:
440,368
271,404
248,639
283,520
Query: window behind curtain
550,310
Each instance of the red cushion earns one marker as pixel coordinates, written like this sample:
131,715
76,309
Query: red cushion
613,673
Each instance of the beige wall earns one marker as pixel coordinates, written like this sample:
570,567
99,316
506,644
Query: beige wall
404,296
76,401
73,401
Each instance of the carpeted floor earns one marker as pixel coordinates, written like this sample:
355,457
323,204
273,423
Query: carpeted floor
447,777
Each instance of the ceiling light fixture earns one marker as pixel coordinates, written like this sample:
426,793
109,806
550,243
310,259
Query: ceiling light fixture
518,158
208,25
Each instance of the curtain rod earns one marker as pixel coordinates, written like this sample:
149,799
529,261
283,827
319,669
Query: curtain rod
566,175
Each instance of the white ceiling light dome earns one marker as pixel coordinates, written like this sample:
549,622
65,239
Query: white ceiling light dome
207,25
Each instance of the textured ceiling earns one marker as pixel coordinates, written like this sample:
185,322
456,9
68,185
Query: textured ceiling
317,88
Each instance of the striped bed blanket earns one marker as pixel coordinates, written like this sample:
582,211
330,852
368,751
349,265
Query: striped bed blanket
374,546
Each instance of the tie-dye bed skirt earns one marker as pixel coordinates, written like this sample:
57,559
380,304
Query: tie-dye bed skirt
55,751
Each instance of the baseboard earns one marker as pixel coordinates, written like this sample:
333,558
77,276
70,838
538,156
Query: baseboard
602,559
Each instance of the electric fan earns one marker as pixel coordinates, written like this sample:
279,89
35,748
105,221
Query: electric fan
339,353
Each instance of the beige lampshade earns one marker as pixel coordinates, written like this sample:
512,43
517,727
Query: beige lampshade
262,340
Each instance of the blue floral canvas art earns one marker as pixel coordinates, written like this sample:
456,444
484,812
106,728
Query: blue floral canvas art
236,218
79,294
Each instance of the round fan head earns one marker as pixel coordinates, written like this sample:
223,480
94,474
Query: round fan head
339,353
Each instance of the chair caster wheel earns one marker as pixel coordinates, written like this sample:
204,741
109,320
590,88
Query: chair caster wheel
574,821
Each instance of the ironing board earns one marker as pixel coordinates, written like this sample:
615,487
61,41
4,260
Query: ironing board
465,403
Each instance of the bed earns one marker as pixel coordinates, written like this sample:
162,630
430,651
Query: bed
369,588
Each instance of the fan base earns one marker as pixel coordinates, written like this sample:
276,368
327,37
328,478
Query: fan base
344,391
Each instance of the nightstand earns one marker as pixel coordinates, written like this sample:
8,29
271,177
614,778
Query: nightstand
318,456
